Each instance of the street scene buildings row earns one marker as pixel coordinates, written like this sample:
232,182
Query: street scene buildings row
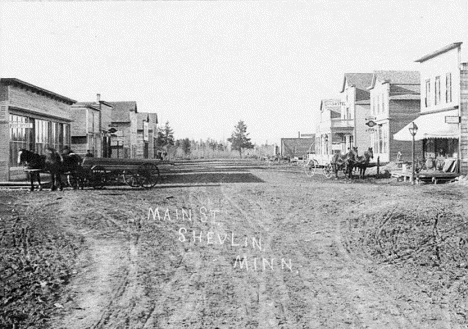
377,109
34,118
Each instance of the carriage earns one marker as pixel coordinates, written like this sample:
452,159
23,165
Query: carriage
312,166
338,163
98,172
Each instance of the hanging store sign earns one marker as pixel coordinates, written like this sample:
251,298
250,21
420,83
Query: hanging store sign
145,131
371,118
371,130
371,123
21,125
452,119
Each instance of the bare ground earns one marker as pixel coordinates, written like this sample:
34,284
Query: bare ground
285,251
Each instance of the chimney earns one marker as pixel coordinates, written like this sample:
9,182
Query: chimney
298,134
98,98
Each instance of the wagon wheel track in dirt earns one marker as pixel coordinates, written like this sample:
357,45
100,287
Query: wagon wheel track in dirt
408,311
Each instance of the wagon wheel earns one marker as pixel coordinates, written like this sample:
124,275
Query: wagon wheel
131,178
310,167
98,177
148,175
72,180
328,170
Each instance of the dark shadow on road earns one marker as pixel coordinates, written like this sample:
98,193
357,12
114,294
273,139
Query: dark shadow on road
203,178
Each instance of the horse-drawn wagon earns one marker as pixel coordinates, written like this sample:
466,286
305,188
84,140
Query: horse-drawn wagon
340,162
95,172
99,172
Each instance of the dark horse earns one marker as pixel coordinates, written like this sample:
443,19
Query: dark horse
51,162
343,162
362,162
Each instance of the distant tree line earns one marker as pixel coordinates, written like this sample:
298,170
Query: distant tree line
238,145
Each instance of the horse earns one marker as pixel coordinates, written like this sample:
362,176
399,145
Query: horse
53,163
72,165
362,162
343,161
33,161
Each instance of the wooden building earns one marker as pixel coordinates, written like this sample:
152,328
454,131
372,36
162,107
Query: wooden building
443,122
147,128
395,102
355,104
124,120
297,147
33,118
90,127
327,137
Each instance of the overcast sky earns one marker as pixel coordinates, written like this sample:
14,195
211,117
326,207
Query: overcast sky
205,65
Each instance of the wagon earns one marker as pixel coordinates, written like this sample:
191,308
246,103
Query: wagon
99,172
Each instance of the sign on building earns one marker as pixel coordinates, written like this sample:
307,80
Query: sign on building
332,104
21,125
117,141
452,119
145,131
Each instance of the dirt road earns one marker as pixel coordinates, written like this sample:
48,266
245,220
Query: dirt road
241,248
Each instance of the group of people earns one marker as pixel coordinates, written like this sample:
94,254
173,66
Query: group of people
437,162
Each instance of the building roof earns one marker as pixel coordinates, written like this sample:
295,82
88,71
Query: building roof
403,89
396,77
143,116
358,80
440,51
91,105
121,110
18,82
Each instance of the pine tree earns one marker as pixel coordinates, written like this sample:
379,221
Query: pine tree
239,138
165,136
185,143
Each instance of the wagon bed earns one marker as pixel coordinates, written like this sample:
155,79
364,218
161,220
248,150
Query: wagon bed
134,172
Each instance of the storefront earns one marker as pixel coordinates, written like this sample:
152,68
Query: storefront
439,133
31,118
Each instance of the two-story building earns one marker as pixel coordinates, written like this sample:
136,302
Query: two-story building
90,126
395,100
442,123
355,104
32,118
124,119
147,126
327,137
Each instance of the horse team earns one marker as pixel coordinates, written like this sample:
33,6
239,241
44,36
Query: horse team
351,160
54,163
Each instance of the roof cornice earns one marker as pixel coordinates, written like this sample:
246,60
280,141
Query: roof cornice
18,82
440,51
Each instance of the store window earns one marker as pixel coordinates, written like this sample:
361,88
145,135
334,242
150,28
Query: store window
448,87
437,91
427,98
41,135
20,136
